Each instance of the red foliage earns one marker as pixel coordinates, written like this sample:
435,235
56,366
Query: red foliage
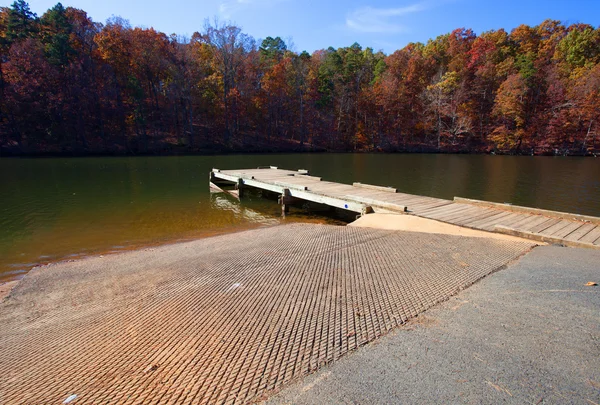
69,84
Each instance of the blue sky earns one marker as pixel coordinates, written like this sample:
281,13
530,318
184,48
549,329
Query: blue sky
315,24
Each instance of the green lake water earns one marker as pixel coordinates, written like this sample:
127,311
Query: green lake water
54,209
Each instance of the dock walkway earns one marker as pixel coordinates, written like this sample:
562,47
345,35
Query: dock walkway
536,224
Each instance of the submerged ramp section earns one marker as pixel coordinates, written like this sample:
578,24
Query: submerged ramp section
223,319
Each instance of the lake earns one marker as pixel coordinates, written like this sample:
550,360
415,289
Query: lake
54,209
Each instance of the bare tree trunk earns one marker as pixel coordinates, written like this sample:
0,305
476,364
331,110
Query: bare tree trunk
226,102
301,119
190,123
439,129
587,135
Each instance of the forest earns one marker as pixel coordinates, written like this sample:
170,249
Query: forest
69,85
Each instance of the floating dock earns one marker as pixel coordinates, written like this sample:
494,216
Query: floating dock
531,223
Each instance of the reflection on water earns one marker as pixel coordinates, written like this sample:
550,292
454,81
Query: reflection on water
222,202
52,209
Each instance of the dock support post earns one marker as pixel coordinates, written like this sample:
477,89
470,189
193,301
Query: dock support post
213,188
239,186
285,199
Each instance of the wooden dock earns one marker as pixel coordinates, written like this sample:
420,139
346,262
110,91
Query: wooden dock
531,223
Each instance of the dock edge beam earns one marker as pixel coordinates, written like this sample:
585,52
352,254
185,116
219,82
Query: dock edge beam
528,210
542,238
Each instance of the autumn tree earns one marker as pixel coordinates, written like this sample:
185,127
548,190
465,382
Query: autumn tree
72,85
230,46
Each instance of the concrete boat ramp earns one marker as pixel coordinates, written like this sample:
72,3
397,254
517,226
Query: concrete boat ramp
226,319
232,318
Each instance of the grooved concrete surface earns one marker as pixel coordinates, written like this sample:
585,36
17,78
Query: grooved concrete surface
223,319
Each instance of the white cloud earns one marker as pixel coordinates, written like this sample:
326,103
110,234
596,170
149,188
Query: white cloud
228,8
381,20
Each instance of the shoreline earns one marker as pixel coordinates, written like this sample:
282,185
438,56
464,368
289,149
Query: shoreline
390,222
7,285
51,155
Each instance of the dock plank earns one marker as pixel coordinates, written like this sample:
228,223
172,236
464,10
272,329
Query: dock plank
489,226
434,210
536,221
392,199
419,208
449,209
528,220
515,220
550,231
591,236
464,214
419,200
581,232
484,222
486,213
544,225
572,227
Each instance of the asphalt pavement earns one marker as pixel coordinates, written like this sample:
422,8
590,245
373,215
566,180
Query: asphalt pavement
528,334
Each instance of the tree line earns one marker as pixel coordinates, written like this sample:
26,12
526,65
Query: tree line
72,85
